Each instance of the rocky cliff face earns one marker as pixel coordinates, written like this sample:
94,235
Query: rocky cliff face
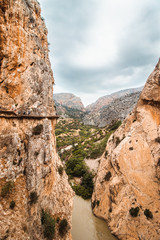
118,109
127,188
33,191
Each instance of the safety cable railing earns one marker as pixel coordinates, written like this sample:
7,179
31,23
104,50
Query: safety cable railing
13,114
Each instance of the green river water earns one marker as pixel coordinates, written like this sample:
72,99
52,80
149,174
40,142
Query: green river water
85,226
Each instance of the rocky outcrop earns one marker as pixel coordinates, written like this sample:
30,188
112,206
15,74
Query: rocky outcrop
118,109
105,100
69,100
127,187
33,191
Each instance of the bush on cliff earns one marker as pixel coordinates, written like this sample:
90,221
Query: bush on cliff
33,197
148,214
7,188
134,211
48,223
63,227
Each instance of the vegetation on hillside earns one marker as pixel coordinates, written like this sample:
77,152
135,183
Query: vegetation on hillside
76,142
70,112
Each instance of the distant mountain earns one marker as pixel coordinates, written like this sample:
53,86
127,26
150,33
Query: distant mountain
116,110
105,100
69,100
66,112
104,111
69,106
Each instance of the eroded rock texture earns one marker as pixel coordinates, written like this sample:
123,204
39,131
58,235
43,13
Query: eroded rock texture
117,110
127,189
30,175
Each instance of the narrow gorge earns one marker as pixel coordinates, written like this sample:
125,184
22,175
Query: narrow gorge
112,163
35,197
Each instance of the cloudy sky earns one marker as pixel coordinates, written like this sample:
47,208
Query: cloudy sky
101,46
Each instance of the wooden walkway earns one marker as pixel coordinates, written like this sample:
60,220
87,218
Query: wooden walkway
12,114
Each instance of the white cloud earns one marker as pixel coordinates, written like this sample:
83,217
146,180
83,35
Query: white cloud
101,46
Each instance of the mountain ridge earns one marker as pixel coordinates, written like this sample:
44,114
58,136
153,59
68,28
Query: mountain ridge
116,106
69,100
116,110
58,97
106,99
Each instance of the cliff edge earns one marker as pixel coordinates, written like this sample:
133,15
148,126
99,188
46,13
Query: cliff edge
35,197
127,188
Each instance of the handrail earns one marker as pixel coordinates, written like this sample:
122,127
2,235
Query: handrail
12,114
8,111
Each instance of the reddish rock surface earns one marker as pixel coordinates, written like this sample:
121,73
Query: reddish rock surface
29,176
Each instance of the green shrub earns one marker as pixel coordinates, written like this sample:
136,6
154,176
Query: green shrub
117,141
7,188
134,211
48,223
98,149
148,214
75,167
33,197
63,227
96,153
85,190
37,130
60,170
12,204
87,181
58,131
82,191
115,125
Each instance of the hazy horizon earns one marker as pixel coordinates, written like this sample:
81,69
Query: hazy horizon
98,47
94,100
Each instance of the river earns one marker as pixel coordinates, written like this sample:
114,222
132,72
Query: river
85,226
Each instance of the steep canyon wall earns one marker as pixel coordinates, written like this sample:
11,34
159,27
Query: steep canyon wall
127,188
29,178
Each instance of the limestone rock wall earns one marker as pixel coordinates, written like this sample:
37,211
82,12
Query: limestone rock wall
25,71
127,188
29,164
